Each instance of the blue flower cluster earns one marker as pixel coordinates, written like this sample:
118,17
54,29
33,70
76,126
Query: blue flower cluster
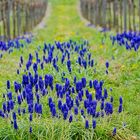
16,43
72,98
131,40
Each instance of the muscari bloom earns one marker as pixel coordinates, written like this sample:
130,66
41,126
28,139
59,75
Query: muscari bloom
105,93
75,80
111,99
102,105
92,63
79,61
98,94
70,118
38,108
120,109
69,65
4,106
14,116
8,84
79,86
90,83
17,87
108,108
35,68
24,111
107,64
76,111
59,104
9,95
94,124
19,111
18,72
25,80
84,62
42,66
86,124
65,114
30,117
114,132
15,125
30,130
30,108
11,104
90,97
73,90
2,114
19,99
121,100
82,112
80,95
84,82
21,60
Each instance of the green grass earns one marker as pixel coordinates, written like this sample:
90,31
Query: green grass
124,78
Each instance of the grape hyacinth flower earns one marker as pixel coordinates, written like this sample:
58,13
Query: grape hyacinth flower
19,111
70,118
102,105
82,112
30,117
15,125
14,116
9,95
79,86
35,67
4,107
71,99
108,108
120,109
90,83
69,65
84,82
94,124
30,108
30,130
21,59
76,111
107,64
114,132
8,84
86,124
121,100
92,63
111,99
105,93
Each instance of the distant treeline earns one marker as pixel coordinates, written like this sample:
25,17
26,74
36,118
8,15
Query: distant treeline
118,14
18,17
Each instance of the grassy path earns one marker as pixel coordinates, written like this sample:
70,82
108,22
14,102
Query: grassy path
64,24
